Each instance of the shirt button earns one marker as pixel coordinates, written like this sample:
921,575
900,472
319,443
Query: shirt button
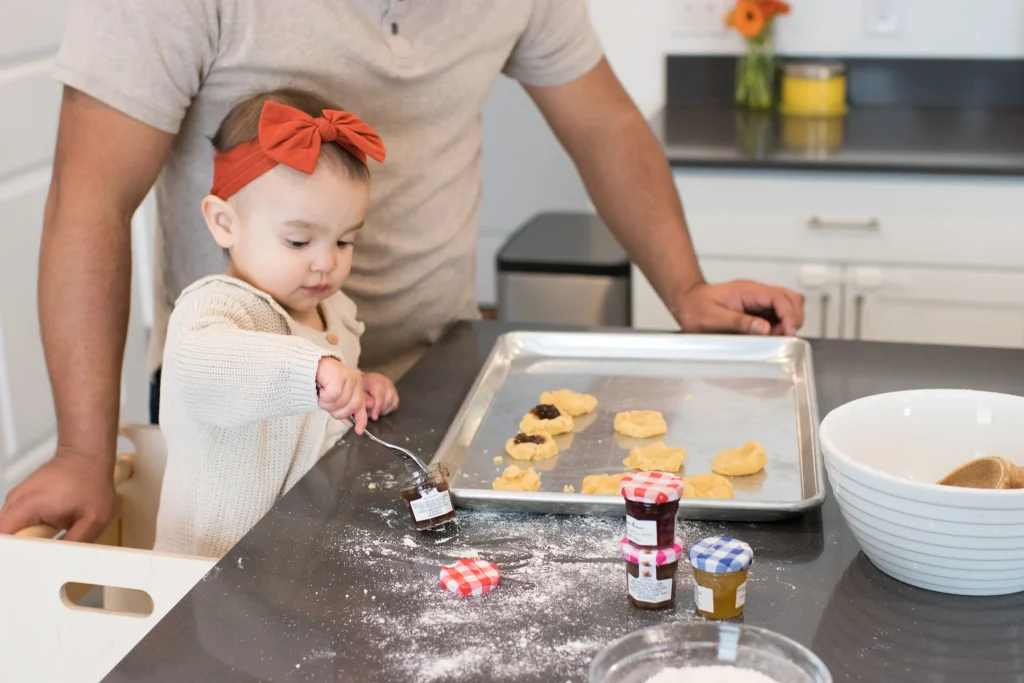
394,28
332,338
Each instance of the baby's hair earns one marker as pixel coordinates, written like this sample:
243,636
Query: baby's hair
242,125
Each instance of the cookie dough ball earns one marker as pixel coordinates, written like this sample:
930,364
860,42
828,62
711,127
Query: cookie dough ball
640,424
707,486
740,462
570,402
533,446
655,458
602,484
516,479
546,418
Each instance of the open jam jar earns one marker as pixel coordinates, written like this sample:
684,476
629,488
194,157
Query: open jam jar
720,567
652,501
651,574
426,494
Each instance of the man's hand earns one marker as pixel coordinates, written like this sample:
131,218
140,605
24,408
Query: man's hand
381,395
73,492
340,391
740,306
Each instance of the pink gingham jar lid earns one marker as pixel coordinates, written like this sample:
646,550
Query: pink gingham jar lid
470,577
668,555
652,488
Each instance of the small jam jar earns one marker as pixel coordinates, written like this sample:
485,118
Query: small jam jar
651,574
426,494
720,567
652,501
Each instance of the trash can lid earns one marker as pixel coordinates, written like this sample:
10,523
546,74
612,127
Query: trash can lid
564,244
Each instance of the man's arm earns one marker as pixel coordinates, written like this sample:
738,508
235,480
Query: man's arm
104,165
630,182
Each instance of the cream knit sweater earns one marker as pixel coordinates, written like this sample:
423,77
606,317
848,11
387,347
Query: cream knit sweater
239,411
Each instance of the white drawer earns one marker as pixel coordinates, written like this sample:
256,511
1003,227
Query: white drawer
896,219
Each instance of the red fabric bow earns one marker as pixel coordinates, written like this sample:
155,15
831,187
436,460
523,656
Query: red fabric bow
291,137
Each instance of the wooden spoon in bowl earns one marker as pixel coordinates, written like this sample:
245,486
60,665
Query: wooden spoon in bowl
990,472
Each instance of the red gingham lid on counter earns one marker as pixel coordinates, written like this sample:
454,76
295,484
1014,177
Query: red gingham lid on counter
668,555
470,577
652,488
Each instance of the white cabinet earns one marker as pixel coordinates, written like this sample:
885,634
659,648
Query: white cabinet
887,258
935,306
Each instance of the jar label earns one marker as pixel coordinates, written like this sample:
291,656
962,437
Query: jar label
642,531
741,595
649,588
433,504
704,598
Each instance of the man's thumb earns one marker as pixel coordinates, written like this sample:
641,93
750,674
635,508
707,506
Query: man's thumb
742,323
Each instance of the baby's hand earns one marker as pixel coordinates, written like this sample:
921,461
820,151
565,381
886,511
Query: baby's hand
381,395
340,391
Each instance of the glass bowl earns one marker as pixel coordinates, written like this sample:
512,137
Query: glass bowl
640,655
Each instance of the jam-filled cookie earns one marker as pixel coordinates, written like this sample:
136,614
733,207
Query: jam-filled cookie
640,424
546,418
570,402
533,446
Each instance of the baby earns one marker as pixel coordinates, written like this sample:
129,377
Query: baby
261,364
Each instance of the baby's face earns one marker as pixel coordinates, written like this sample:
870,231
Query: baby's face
295,232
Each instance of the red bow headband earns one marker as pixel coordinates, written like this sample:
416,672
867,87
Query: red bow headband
291,137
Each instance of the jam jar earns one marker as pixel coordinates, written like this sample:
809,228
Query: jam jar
651,574
426,494
720,567
652,501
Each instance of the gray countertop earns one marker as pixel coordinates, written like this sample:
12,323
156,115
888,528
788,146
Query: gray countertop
870,139
334,585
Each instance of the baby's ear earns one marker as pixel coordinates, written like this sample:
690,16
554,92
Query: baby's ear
222,221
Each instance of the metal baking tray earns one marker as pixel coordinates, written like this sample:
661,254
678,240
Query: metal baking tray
715,392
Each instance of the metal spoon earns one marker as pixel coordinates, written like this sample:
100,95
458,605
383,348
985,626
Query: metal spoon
392,447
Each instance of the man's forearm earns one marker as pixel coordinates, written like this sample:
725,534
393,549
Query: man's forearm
84,293
631,184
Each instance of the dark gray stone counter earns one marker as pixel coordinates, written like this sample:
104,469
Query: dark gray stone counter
334,585
929,140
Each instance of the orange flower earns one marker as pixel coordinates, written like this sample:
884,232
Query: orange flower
748,18
773,7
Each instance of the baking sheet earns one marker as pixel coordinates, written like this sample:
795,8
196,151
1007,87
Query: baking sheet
715,392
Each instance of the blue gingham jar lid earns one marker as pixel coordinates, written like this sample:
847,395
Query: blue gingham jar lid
721,555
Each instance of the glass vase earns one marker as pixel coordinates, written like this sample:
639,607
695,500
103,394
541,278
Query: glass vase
755,72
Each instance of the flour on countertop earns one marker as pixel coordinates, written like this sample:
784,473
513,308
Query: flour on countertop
710,674
537,625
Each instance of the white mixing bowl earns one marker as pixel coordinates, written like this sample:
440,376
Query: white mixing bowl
884,454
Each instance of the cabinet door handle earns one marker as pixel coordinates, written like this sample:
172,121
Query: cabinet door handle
870,225
824,315
858,315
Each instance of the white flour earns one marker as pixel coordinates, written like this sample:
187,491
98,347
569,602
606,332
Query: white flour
539,624
710,674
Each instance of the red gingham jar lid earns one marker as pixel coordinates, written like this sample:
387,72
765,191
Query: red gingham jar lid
652,488
470,577
631,553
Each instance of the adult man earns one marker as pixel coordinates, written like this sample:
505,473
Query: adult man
146,83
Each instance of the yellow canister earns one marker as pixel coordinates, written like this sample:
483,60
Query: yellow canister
814,89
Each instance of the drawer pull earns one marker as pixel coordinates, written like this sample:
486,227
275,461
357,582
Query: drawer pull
824,316
870,225
858,315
